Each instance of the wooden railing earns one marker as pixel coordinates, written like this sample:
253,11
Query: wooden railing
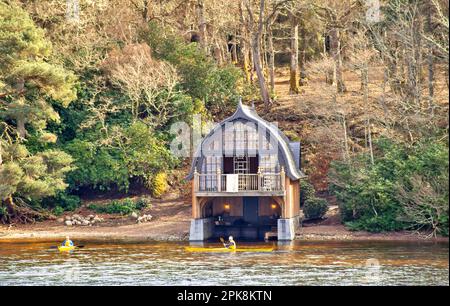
255,182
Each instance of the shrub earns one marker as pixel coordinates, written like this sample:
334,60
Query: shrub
307,191
3,213
140,154
159,184
143,203
292,135
97,167
315,208
123,207
405,188
58,210
62,202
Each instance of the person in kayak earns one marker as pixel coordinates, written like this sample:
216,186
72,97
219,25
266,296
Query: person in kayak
231,244
67,242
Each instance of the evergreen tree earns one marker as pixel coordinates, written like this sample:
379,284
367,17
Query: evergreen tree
28,82
27,79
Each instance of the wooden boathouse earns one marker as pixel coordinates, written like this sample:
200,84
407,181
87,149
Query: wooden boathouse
245,180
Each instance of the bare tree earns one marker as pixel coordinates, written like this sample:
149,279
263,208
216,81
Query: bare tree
294,82
150,84
337,15
256,37
202,25
361,57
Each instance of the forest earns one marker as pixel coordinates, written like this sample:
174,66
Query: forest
89,90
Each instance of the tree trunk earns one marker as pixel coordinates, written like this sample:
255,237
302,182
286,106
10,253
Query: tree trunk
365,88
294,72
302,55
245,50
430,62
21,127
271,61
260,74
246,64
256,52
370,141
202,25
10,211
218,56
145,11
346,148
234,53
335,50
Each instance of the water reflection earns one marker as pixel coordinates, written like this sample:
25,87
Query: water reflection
298,263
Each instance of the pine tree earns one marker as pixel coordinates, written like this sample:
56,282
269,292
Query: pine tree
28,81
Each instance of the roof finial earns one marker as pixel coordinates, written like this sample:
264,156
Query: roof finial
240,102
253,104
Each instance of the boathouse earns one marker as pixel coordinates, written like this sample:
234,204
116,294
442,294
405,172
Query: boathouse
245,180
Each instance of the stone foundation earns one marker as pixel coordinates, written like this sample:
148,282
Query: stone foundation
287,227
201,229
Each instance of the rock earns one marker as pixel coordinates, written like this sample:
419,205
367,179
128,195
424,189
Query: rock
134,215
91,217
68,223
60,220
76,216
144,218
68,218
85,222
77,222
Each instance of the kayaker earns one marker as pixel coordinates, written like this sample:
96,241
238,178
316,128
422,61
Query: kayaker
67,242
231,244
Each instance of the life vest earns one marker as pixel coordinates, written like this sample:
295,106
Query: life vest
231,245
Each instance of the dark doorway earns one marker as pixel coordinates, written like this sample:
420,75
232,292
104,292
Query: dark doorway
248,165
250,209
254,163
208,210
228,165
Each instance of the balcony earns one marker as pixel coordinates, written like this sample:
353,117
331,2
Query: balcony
254,184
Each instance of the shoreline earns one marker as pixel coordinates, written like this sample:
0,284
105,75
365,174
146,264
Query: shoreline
340,233
178,231
171,222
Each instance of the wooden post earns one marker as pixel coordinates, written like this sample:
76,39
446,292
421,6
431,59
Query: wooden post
196,182
195,213
282,177
259,179
219,179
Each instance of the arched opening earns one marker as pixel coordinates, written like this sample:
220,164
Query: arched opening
207,211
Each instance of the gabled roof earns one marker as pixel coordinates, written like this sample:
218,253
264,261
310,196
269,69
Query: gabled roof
248,113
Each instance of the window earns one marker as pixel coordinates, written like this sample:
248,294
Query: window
269,163
208,181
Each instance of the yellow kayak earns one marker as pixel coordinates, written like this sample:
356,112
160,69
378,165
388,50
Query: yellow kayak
64,248
200,249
